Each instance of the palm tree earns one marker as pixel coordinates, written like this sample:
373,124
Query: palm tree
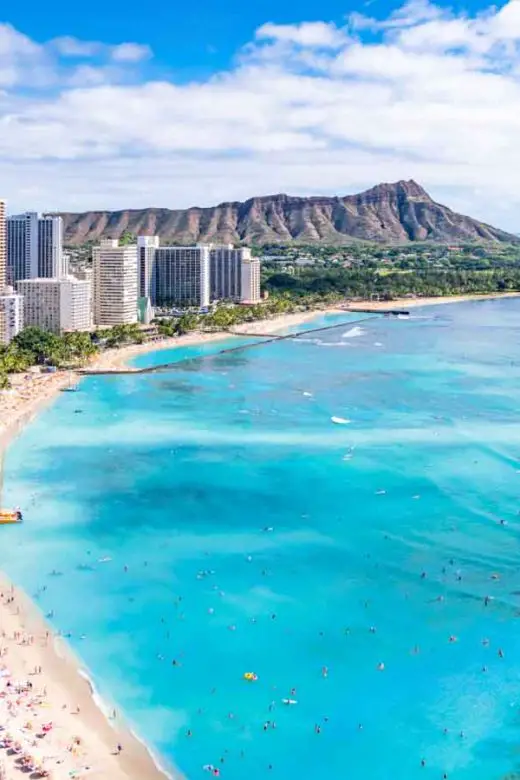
186,323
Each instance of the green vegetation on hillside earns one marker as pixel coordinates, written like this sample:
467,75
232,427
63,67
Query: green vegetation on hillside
416,256
388,284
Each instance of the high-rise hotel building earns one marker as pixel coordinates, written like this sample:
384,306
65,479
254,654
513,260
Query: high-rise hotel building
179,276
52,263
235,274
3,246
182,276
115,283
35,247
11,315
57,305
11,305
146,246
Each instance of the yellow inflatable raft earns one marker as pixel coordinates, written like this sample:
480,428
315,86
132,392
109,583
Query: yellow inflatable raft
10,516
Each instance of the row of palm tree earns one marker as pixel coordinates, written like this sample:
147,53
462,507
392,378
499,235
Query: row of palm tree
34,346
227,315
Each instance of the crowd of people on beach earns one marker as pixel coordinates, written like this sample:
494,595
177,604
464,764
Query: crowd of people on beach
32,743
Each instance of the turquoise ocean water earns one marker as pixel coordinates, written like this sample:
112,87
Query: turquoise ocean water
388,533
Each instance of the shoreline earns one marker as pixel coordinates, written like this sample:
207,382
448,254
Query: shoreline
117,359
42,389
414,302
72,704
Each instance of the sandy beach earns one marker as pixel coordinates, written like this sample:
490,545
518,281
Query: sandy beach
118,358
47,712
409,303
26,396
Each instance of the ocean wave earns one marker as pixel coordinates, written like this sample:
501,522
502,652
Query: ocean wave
107,709
353,333
319,342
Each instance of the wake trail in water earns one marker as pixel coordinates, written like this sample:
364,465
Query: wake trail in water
353,333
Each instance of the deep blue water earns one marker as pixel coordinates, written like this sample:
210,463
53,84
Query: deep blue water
176,473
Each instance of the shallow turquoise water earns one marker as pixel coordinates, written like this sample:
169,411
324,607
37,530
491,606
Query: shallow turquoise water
176,473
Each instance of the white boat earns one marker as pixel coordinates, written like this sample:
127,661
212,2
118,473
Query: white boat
340,420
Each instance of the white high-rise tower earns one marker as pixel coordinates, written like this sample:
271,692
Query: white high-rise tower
51,262
34,247
10,304
115,283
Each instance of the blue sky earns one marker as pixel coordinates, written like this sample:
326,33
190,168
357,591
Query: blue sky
189,40
117,106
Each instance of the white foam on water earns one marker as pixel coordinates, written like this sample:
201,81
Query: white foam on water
353,332
331,344
340,420
107,710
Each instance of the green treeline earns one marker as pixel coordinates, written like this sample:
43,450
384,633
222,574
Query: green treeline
368,283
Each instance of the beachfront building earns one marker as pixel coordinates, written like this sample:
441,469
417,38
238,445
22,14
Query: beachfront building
115,283
56,305
146,246
177,276
234,274
22,247
250,280
52,263
34,247
3,246
11,314
182,276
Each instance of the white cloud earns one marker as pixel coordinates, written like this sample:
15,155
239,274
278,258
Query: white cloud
68,46
308,108
130,52
311,34
14,43
408,15
24,63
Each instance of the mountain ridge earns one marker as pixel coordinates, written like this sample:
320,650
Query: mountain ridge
399,212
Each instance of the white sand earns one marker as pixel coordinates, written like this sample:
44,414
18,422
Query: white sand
81,736
408,303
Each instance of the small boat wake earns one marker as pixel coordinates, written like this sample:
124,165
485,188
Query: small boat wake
353,333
